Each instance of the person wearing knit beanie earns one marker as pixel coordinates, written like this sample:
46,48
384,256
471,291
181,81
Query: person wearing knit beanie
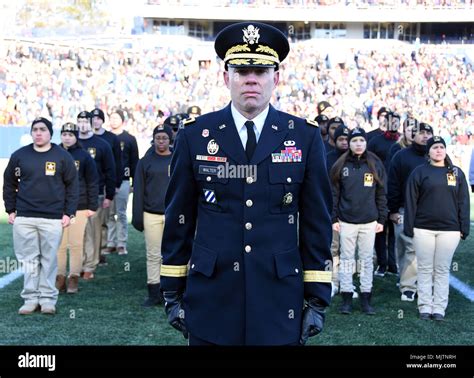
44,121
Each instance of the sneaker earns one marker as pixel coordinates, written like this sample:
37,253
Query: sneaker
28,309
88,276
73,284
437,317
61,283
380,272
109,250
334,289
425,316
102,260
122,251
48,309
408,296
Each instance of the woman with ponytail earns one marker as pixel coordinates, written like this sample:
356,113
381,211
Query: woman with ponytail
436,216
359,212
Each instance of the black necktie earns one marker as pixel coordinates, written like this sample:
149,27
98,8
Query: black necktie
251,140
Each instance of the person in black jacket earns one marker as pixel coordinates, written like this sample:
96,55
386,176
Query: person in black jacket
437,213
404,141
40,191
332,125
322,121
102,154
341,137
98,119
117,227
383,111
385,241
359,212
401,166
151,181
73,236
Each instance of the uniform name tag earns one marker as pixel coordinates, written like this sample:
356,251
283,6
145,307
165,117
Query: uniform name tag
451,179
368,179
208,170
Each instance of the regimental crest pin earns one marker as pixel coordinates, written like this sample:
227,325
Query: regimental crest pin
212,147
287,199
205,133
251,34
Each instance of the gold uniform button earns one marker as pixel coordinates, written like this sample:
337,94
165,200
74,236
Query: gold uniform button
248,248
288,179
248,226
249,180
249,203
208,178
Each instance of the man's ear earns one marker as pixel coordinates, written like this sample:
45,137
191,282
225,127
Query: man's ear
276,78
227,78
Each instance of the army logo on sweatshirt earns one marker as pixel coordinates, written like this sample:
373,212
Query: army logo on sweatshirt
451,179
368,179
92,152
50,168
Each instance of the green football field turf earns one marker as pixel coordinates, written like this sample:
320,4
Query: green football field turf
107,310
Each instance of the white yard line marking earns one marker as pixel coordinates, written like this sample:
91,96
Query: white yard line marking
9,278
463,288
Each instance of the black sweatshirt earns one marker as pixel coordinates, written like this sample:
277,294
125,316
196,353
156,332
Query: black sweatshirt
88,178
437,200
394,148
150,183
129,148
380,145
104,161
373,134
328,147
359,198
114,143
41,184
402,165
332,157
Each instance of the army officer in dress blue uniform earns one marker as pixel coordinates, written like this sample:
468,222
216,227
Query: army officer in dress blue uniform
248,207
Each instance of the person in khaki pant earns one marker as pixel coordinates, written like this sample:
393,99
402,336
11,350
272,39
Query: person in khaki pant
401,166
40,190
359,212
73,236
151,181
437,213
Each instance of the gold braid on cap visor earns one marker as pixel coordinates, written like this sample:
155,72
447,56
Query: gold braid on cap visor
240,54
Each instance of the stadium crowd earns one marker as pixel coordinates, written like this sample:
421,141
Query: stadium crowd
326,3
58,82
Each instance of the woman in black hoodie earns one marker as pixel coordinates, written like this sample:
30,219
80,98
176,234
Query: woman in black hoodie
359,212
436,216
73,236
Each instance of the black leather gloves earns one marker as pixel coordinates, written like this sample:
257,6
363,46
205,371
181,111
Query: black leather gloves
313,319
174,311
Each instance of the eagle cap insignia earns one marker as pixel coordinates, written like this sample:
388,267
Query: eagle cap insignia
251,34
